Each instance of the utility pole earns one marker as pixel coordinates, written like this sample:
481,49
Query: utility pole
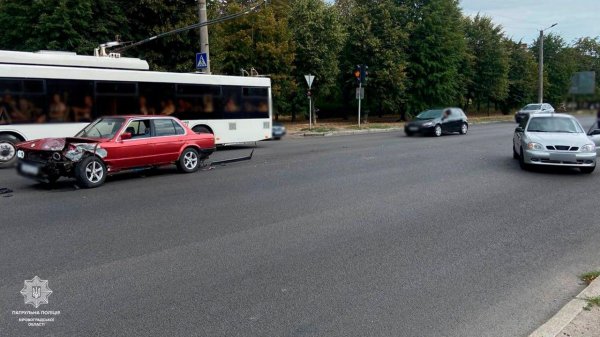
204,45
541,65
541,69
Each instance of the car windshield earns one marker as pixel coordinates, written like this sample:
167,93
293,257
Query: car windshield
554,124
530,107
430,114
102,128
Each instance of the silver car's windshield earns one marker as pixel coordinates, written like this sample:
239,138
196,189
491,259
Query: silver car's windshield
430,114
532,107
102,128
554,124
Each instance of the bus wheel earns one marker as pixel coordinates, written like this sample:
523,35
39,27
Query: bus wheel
201,129
8,150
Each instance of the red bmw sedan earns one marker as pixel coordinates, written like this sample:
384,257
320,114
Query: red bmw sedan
114,144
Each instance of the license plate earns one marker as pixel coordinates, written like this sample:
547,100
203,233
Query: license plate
413,128
30,169
563,157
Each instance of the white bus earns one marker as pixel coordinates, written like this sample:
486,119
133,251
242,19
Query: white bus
55,94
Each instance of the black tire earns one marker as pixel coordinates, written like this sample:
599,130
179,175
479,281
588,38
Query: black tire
437,131
277,138
587,170
522,163
409,134
189,161
8,150
464,128
201,129
90,172
515,154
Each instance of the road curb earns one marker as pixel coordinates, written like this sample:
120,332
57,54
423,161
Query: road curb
568,313
348,132
367,131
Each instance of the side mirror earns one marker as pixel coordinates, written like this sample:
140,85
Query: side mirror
595,132
126,135
519,129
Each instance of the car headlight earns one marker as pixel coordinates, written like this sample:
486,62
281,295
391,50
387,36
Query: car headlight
535,146
428,124
20,154
588,148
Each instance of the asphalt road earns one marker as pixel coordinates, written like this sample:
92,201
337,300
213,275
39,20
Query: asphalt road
367,235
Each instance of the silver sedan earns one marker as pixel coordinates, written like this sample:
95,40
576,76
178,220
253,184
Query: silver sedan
554,139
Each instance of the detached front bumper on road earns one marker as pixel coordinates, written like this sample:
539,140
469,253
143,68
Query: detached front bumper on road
565,158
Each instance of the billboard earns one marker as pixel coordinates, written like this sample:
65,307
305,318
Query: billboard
583,83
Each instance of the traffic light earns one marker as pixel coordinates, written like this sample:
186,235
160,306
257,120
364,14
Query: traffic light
361,72
358,73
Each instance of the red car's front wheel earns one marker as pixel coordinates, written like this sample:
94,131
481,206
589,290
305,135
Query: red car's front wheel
90,172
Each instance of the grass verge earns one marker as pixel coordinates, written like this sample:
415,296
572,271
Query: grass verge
589,277
319,129
592,302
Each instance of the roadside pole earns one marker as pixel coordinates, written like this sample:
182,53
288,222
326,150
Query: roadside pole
359,101
309,80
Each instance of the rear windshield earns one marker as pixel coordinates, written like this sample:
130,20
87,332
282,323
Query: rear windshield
532,107
554,124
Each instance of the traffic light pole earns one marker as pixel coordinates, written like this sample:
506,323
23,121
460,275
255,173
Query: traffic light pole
359,101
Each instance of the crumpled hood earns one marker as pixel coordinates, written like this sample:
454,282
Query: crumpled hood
53,144
570,139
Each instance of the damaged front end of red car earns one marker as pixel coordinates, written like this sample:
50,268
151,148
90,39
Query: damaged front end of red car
46,160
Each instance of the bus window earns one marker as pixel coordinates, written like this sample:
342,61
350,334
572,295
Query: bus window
69,101
154,98
198,102
21,101
256,102
116,98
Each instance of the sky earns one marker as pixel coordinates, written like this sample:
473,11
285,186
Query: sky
523,19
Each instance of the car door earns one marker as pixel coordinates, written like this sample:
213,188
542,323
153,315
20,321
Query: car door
456,120
133,152
447,120
166,141
594,135
519,134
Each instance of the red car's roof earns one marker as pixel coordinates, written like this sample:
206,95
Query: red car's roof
139,116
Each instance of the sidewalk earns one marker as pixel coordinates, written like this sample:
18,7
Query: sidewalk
573,320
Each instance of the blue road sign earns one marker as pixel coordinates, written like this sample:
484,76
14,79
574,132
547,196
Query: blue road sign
201,61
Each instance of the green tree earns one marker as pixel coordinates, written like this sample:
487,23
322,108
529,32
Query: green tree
69,25
489,62
319,37
559,67
261,41
522,76
378,38
436,52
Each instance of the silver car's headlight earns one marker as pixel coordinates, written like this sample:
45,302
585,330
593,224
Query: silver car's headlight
535,146
588,148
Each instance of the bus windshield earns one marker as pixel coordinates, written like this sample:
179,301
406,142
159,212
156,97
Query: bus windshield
103,128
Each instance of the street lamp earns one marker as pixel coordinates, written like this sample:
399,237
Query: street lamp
541,65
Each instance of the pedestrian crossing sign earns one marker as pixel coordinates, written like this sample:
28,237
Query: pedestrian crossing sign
201,61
